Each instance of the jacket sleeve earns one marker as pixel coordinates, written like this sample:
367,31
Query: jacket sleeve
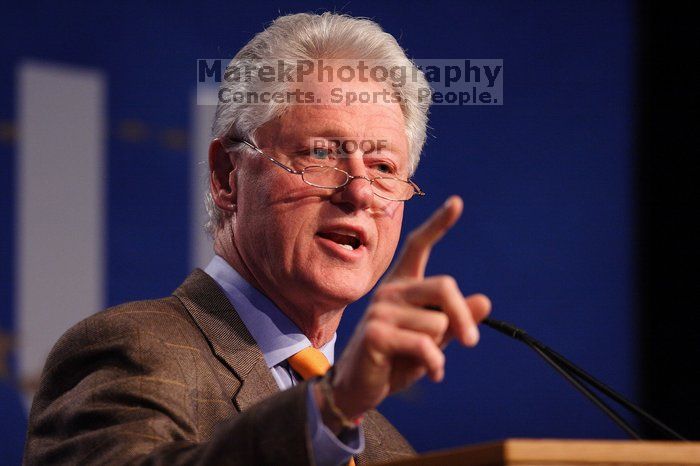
114,397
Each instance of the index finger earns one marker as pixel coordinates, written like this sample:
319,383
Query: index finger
416,251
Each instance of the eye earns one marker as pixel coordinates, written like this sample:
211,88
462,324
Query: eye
320,153
384,168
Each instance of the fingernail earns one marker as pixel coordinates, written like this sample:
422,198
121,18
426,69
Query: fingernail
447,204
473,335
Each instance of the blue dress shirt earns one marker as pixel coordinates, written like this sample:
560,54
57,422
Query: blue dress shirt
279,338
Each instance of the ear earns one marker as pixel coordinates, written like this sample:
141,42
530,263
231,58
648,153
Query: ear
222,179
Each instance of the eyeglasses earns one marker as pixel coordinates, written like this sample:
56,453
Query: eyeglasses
327,177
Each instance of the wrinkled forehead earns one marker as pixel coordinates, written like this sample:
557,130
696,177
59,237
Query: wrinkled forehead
349,130
359,109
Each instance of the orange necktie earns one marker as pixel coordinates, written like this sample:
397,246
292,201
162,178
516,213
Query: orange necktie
309,363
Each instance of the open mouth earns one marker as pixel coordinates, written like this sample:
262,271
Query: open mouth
346,240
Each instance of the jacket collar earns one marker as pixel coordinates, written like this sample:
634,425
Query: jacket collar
234,346
228,337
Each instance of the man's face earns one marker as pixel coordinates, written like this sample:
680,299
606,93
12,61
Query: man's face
314,247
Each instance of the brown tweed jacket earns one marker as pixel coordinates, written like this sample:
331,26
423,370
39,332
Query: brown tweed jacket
174,381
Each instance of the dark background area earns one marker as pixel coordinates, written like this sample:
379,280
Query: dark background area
668,213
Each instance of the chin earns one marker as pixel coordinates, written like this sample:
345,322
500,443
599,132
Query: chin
341,289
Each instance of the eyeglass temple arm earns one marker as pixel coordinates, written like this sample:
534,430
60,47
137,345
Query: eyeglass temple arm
416,188
256,149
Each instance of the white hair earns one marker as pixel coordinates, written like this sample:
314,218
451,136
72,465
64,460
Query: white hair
310,37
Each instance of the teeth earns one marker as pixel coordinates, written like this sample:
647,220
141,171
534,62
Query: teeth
346,238
347,233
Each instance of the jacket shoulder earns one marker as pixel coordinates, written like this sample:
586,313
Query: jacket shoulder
152,342
134,324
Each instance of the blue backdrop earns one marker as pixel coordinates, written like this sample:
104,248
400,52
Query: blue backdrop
547,230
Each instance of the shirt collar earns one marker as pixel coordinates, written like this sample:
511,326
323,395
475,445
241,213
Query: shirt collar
276,335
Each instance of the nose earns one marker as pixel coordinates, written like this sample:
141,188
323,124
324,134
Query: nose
357,193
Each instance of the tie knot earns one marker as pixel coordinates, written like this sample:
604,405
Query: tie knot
309,362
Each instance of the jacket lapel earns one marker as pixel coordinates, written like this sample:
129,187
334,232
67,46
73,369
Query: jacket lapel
228,337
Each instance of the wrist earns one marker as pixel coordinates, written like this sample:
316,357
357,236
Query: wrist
333,414
327,416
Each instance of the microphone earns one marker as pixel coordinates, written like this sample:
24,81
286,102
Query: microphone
577,377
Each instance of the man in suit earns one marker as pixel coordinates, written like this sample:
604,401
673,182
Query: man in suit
231,369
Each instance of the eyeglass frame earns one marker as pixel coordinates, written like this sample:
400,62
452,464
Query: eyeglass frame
348,177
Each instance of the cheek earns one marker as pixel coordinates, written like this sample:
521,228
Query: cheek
256,216
278,226
260,188
390,232
259,196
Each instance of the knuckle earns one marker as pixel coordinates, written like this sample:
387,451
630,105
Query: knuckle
375,331
446,283
388,291
379,312
443,322
425,344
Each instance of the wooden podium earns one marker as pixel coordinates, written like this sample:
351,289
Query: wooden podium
532,452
